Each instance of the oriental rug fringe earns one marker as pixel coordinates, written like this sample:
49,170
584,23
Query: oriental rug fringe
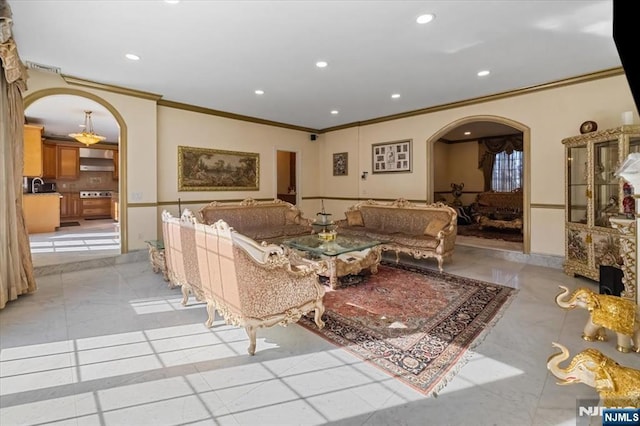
419,326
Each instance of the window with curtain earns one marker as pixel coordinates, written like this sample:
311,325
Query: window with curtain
507,171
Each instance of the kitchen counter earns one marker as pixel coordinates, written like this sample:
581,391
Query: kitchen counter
115,206
41,211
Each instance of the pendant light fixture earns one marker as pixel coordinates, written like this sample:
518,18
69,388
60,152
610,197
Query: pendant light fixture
88,136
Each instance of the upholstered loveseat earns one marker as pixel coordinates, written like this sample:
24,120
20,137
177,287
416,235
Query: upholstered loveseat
502,210
251,285
258,220
421,230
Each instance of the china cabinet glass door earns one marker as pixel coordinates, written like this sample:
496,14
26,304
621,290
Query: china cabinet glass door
605,185
578,172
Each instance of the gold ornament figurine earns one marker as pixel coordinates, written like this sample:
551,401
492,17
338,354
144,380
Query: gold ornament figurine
615,313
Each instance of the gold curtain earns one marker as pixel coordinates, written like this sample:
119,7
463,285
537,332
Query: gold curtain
489,147
16,267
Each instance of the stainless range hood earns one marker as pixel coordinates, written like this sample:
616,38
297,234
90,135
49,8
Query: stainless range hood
96,160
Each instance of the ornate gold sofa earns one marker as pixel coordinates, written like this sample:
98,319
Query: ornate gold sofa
421,230
251,285
259,220
501,210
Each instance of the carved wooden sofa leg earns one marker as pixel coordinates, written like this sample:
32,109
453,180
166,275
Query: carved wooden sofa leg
319,311
185,294
251,332
211,314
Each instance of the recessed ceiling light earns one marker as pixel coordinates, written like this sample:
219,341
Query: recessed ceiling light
172,1
132,57
467,133
395,96
321,64
259,92
484,73
427,17
334,112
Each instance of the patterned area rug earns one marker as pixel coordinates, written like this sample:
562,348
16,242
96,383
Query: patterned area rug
416,325
474,230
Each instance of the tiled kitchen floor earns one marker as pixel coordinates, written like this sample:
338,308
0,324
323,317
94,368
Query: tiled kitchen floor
113,346
90,240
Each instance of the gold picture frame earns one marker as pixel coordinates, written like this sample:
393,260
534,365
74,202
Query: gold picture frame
341,164
391,157
205,169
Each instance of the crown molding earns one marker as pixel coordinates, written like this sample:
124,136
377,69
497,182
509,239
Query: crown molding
612,72
209,111
110,88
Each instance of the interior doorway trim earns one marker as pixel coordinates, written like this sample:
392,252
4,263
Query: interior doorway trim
526,190
122,149
298,166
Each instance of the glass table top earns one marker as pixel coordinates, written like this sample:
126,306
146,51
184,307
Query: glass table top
342,244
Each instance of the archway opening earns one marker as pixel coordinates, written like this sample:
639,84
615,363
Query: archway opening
92,211
492,197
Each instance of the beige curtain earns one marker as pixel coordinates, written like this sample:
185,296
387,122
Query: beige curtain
16,268
489,147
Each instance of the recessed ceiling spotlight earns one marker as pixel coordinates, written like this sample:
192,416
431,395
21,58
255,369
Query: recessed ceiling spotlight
321,64
426,18
259,92
484,73
132,57
395,96
172,1
334,112
467,133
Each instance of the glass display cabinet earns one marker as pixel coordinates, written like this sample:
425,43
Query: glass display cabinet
593,196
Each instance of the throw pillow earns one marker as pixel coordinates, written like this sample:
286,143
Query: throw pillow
434,226
354,218
292,217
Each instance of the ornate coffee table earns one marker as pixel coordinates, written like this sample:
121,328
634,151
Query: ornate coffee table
345,255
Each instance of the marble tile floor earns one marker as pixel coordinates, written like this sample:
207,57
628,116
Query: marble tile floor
92,239
113,346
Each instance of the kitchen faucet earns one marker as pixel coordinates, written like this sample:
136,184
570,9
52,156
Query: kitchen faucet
33,184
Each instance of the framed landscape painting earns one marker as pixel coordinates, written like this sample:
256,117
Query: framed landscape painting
389,157
204,169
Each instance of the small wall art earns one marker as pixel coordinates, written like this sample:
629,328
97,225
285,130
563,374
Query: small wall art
341,164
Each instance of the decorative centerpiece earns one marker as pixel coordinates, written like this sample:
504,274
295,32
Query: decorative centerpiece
324,226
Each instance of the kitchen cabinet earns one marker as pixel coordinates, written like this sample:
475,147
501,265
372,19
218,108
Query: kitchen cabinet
70,205
41,212
115,208
96,207
68,163
115,164
594,196
32,151
49,161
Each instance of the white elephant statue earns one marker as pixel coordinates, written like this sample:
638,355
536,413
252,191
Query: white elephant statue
618,386
615,313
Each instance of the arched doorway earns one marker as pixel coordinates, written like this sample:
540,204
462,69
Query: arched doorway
115,122
503,123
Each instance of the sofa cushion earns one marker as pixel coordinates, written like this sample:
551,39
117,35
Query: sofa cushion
292,217
434,226
354,218
289,230
243,218
352,230
419,241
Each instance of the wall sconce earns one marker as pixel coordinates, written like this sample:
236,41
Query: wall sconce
364,175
